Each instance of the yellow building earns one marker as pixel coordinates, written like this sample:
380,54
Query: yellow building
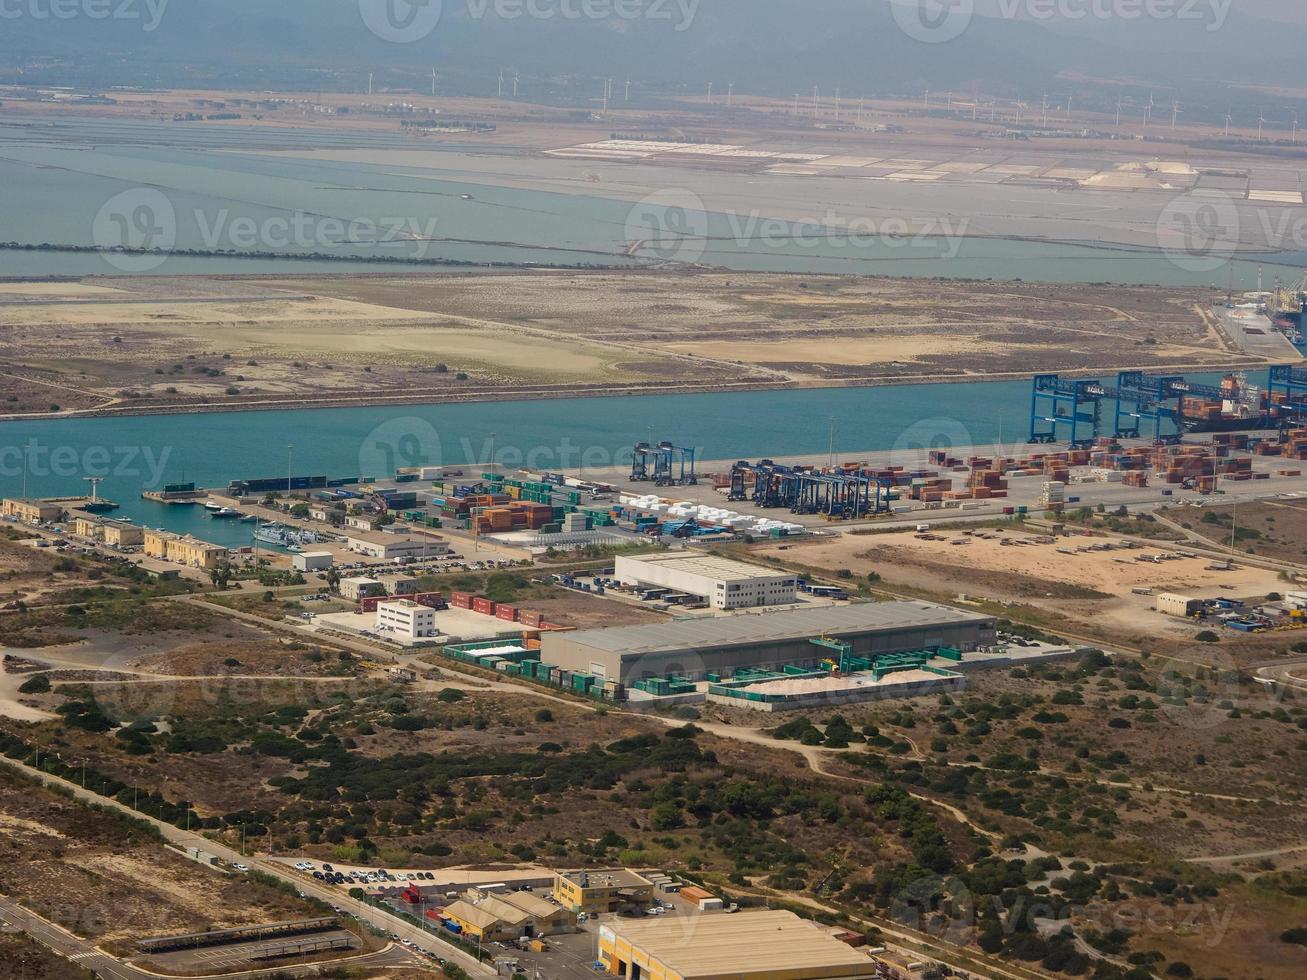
194,553
479,923
762,945
188,551
547,918
156,543
118,534
88,527
121,534
30,510
607,890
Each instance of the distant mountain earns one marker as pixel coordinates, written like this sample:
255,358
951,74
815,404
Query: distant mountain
773,47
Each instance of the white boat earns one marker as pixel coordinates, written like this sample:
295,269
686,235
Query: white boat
212,505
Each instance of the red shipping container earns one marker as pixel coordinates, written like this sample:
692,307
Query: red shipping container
507,612
483,606
529,618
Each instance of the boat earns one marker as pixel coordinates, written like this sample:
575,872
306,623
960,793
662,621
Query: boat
212,505
1241,408
225,513
285,536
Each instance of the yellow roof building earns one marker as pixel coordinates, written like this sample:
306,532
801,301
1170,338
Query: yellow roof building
761,945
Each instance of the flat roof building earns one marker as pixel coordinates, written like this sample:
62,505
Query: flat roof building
722,582
694,648
604,890
312,561
405,619
30,510
113,532
761,945
387,546
360,587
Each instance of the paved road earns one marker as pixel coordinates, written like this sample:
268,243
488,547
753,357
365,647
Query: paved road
384,921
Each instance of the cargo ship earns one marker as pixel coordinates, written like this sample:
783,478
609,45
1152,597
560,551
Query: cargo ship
1241,407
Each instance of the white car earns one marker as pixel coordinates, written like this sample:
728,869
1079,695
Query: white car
241,867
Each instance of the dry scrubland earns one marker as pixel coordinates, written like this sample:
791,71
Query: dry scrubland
107,880
165,343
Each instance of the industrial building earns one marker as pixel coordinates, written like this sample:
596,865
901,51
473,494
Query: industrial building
390,546
506,917
312,561
695,649
753,945
406,620
28,511
1170,604
605,890
722,583
360,587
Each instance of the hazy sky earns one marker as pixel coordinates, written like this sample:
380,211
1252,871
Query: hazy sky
1290,10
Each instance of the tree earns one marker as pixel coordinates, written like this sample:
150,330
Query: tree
37,684
220,575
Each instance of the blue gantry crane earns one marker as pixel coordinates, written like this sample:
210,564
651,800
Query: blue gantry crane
1071,403
839,496
1290,382
665,465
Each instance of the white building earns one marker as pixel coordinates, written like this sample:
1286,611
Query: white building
312,561
722,582
388,546
405,619
361,587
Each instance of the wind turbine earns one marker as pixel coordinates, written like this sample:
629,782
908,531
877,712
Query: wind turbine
1261,121
517,77
1045,123
730,94
369,83
1175,113
1019,107
433,81
501,83
1148,112
837,105
1228,120
710,93
628,88
814,102
1069,97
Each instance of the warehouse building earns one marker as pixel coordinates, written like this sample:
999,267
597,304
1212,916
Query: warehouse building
1170,604
721,582
605,890
693,649
312,561
389,546
761,945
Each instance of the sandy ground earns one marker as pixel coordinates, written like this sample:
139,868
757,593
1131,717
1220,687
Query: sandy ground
1097,584
156,343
